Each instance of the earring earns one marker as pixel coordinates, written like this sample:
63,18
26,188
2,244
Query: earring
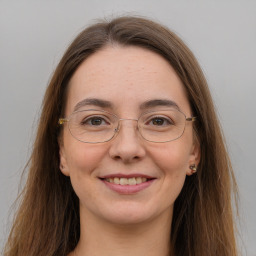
193,168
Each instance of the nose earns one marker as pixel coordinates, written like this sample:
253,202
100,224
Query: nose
127,146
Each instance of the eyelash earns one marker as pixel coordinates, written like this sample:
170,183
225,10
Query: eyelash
164,119
154,120
90,119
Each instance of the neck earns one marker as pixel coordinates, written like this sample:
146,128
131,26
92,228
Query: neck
98,238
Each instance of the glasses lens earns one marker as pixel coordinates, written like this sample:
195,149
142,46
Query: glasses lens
92,126
162,126
95,126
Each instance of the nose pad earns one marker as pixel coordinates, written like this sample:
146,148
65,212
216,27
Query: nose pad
118,128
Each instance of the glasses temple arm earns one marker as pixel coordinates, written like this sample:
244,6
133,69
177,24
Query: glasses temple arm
192,119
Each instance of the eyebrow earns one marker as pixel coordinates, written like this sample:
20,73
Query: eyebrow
159,102
93,102
107,104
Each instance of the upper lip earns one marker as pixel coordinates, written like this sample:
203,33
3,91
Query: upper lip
127,176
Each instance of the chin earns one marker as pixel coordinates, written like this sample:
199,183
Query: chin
128,219
130,215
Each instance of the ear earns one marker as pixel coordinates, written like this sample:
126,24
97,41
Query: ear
63,161
194,158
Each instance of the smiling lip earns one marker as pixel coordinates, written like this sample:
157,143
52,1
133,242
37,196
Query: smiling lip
127,176
132,187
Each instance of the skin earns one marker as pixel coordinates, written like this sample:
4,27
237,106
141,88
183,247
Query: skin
139,223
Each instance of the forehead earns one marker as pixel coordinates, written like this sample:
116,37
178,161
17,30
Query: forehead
127,77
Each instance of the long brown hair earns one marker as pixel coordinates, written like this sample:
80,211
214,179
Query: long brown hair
47,222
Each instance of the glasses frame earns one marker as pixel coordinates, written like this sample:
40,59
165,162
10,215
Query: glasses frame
62,121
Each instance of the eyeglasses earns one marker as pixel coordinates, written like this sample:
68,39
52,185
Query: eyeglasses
97,126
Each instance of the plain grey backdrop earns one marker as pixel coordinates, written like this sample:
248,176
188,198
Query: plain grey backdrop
222,35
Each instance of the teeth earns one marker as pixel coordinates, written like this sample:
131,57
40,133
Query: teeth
138,180
143,179
132,181
116,180
125,181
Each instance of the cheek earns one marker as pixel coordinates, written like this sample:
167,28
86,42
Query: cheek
171,158
83,158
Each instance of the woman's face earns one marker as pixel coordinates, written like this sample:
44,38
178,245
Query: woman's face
126,78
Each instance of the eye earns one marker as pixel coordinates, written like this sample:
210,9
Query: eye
160,121
94,121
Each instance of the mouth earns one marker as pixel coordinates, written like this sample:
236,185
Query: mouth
127,181
127,184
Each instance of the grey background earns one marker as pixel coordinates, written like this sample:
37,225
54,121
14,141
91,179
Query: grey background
222,34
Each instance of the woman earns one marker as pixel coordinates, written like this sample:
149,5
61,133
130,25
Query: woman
129,158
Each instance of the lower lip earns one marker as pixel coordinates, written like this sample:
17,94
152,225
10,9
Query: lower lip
128,189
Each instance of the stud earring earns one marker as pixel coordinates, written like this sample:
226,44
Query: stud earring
193,168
